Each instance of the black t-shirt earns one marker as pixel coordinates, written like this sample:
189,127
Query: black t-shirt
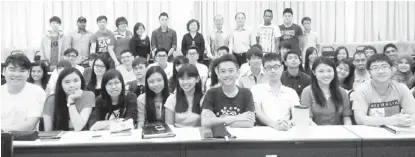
291,35
222,105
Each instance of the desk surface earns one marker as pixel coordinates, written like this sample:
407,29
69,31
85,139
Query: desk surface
376,133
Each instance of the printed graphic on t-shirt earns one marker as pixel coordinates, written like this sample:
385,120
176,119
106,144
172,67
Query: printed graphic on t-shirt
228,111
266,38
288,34
384,109
103,43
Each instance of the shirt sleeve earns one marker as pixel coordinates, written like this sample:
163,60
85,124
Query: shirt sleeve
93,38
36,109
299,31
171,102
359,100
131,106
256,94
88,99
249,101
141,107
208,101
49,106
113,41
174,42
347,112
306,99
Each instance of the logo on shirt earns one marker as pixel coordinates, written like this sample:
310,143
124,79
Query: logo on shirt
384,104
288,34
228,111
103,43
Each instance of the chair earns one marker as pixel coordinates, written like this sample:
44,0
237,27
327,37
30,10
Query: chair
6,144
328,52
360,48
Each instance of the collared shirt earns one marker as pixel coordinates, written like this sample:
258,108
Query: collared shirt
298,83
276,107
216,39
127,75
81,42
359,79
168,70
240,40
248,79
167,39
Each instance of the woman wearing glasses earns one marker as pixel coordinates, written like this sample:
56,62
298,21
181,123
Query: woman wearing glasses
99,67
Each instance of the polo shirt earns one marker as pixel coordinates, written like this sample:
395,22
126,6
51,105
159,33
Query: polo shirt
248,79
298,83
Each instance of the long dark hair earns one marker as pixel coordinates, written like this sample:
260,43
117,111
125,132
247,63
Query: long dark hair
136,26
349,80
150,95
106,98
61,113
336,53
179,60
93,81
333,87
182,104
213,76
45,78
308,52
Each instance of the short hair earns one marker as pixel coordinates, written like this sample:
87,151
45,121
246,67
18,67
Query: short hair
257,46
163,14
102,17
70,50
126,51
292,52
139,60
254,51
389,45
359,52
219,15
240,13
192,47
370,47
92,56
227,58
267,10
160,50
64,64
284,45
305,19
119,20
55,19
19,60
190,22
288,10
271,57
379,57
223,48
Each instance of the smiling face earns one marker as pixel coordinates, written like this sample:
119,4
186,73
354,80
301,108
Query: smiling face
342,54
343,71
369,52
114,87
273,70
392,53
140,30
360,61
139,71
380,71
71,83
188,83
312,57
156,82
99,68
15,75
403,65
102,24
227,72
193,27
324,74
37,73
127,58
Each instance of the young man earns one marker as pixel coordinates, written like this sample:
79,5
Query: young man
284,48
139,67
241,39
72,56
164,37
391,51
255,73
193,56
290,31
80,39
268,33
268,112
126,68
382,101
221,51
294,77
310,38
161,60
103,41
361,75
122,35
53,43
21,102
228,104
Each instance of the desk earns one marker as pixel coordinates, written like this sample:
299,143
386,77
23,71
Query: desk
378,142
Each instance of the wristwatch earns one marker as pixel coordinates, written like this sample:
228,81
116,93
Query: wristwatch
69,104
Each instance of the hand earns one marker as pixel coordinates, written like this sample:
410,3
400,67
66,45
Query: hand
282,125
170,52
72,97
403,120
209,55
116,62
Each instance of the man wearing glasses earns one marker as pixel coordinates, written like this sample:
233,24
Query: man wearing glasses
193,56
71,55
269,113
361,75
126,68
382,101
161,60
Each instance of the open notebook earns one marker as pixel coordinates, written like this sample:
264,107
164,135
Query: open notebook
400,130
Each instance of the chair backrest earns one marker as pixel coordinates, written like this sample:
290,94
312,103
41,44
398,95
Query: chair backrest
360,48
6,144
328,52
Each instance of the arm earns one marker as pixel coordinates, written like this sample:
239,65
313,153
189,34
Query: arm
317,43
207,45
112,54
169,117
80,119
174,44
209,119
231,43
27,125
277,44
347,112
141,110
148,49
408,102
247,119
153,41
48,113
133,45
42,49
184,45
93,44
132,110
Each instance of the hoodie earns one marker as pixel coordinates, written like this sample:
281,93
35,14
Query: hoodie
46,45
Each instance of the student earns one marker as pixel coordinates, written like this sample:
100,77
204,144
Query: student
369,51
183,107
161,60
294,77
193,39
345,73
382,101
72,55
290,32
310,37
99,66
139,67
71,105
340,54
115,103
268,112
284,48
150,104
63,64
80,39
213,80
140,43
193,57
21,102
222,51
255,74
39,74
229,104
53,43
361,75
88,70
103,41
241,38
178,62
164,37
310,57
329,104
122,35
267,33
126,68
391,51
217,38
404,73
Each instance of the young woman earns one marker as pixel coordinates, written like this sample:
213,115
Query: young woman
139,67
177,63
329,104
369,51
99,66
150,104
140,43
70,107
310,56
213,81
183,107
39,74
345,73
193,38
341,53
115,103
63,64
404,72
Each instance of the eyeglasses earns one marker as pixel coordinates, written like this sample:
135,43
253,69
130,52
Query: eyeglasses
110,84
378,68
161,56
275,67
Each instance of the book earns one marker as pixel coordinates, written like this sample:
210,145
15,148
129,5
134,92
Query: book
157,130
400,130
122,128
50,134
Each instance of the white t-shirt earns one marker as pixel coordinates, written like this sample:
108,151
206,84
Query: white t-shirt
168,70
185,119
17,108
127,75
203,72
267,35
310,40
